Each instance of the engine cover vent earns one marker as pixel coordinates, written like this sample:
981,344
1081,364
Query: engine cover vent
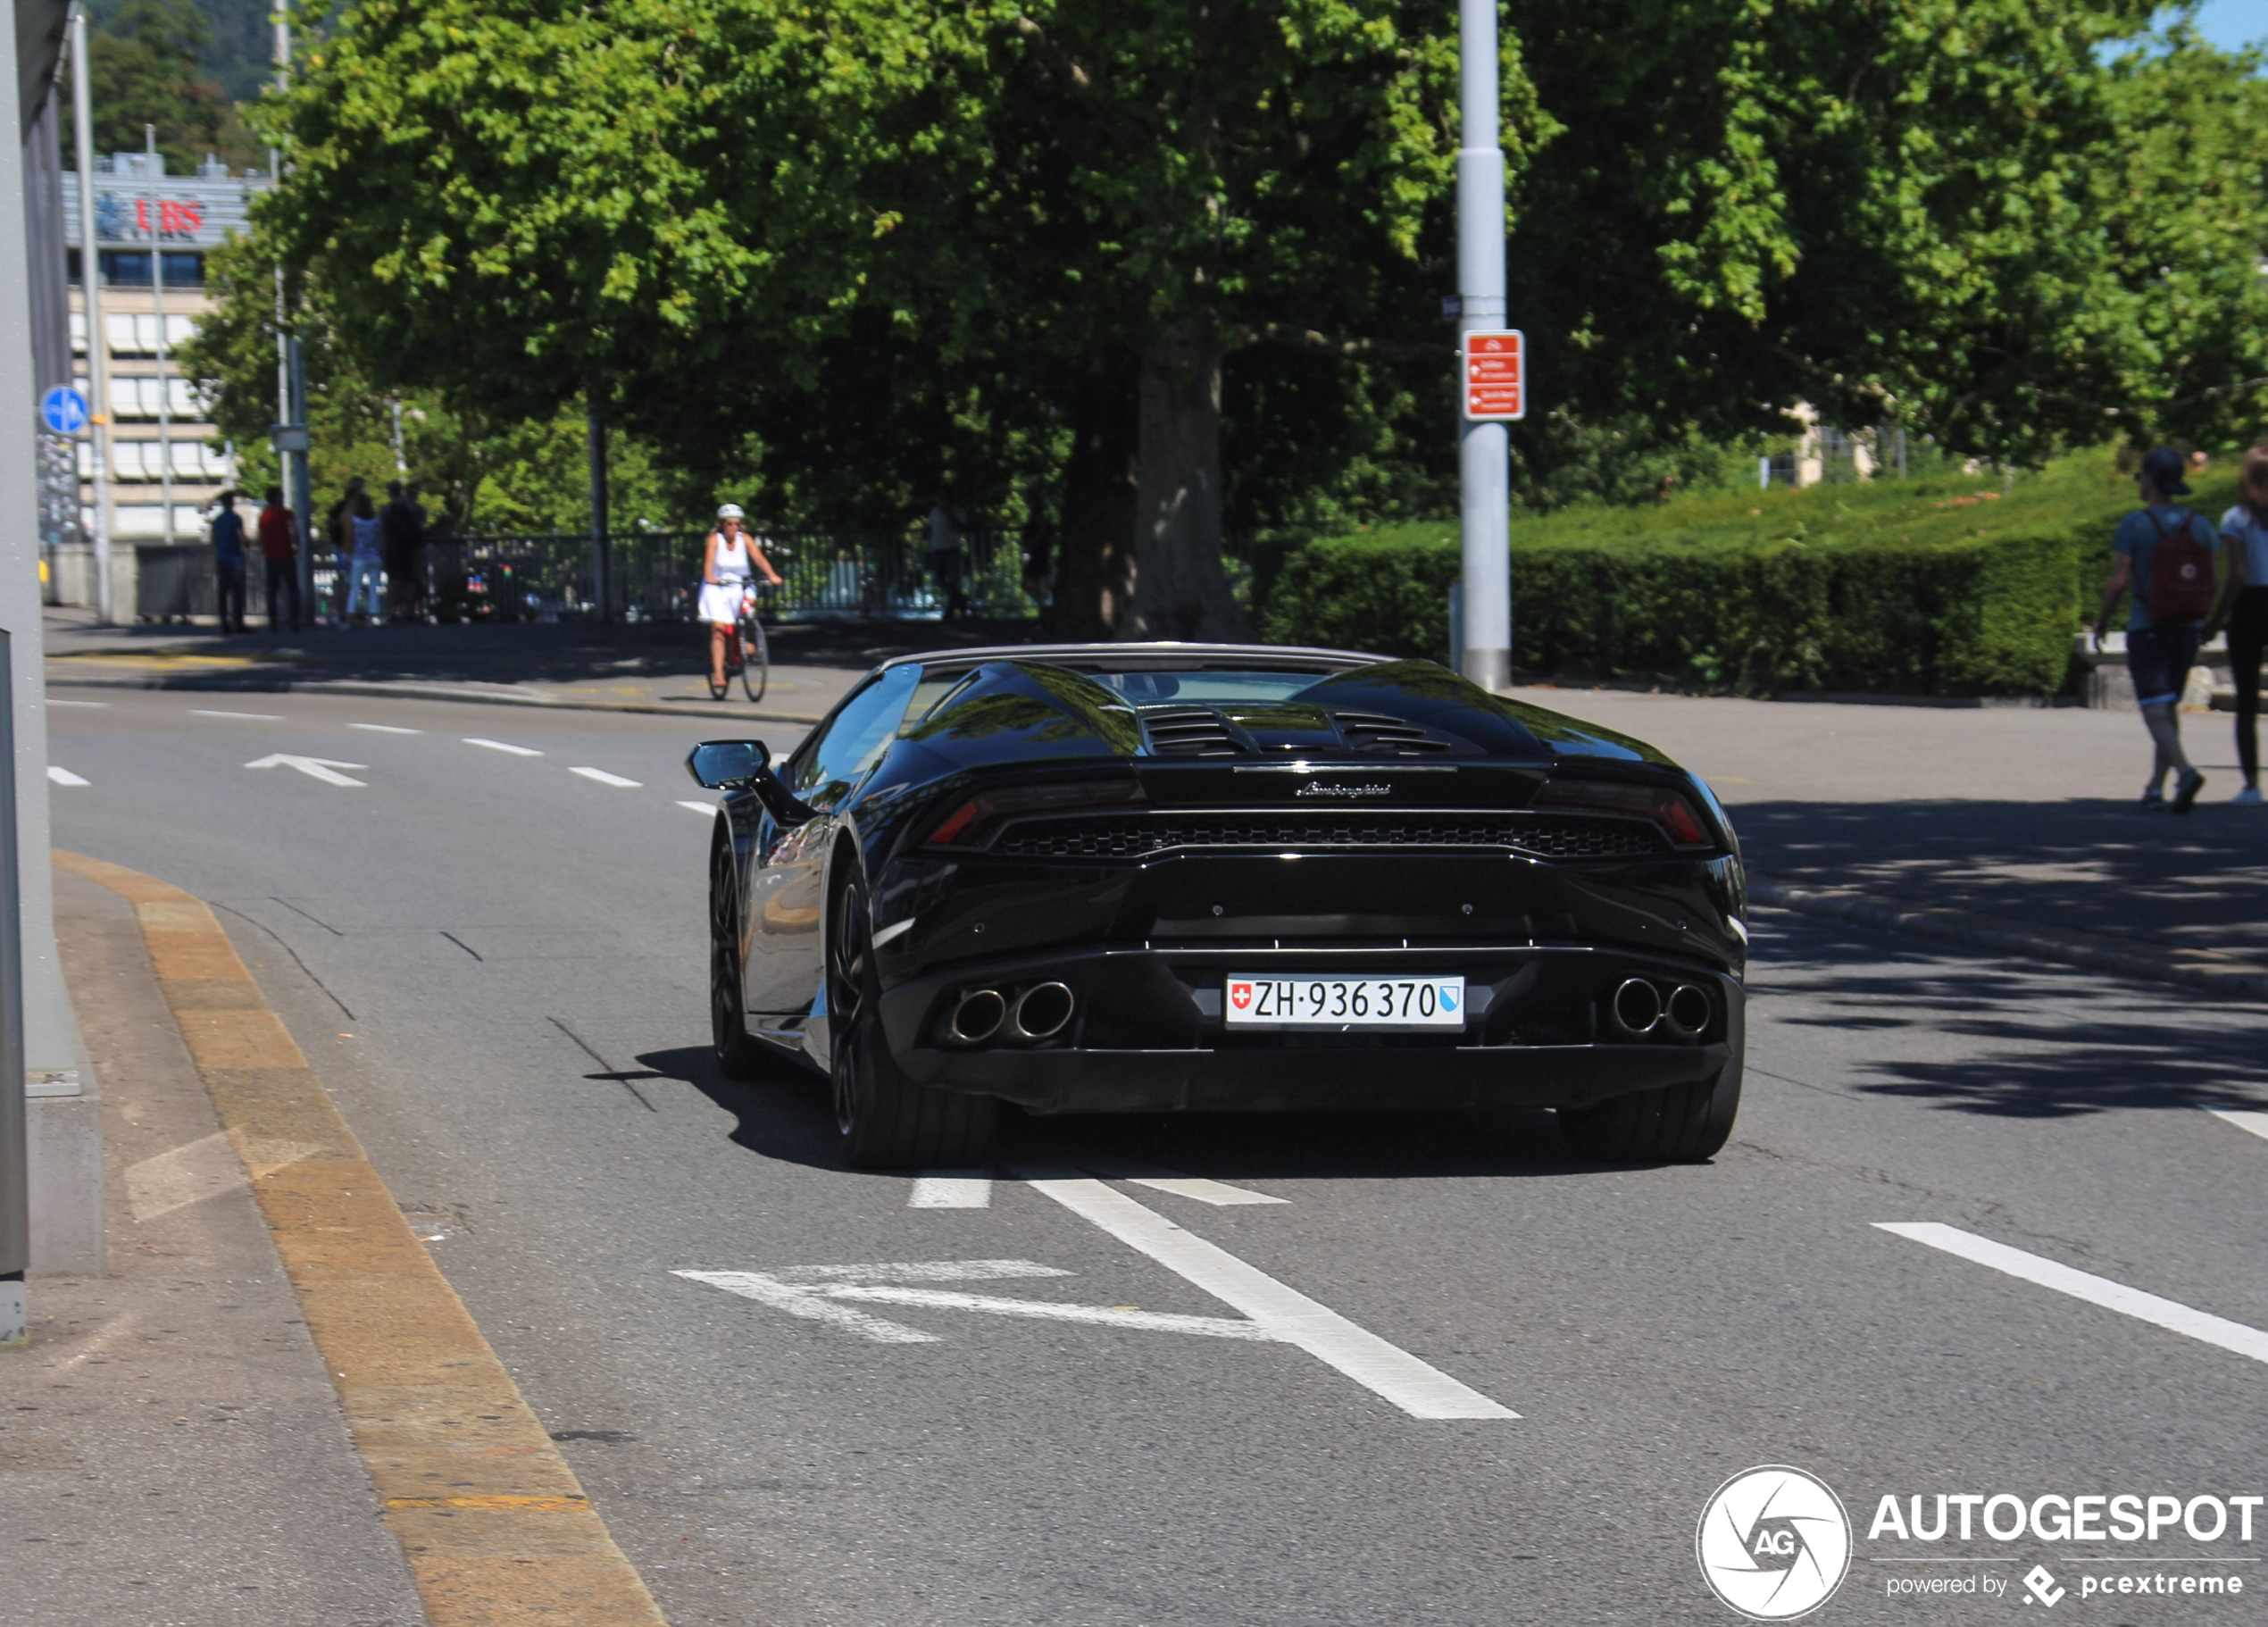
1191,732
1375,731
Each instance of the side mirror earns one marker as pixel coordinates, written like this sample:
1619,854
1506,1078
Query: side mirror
719,765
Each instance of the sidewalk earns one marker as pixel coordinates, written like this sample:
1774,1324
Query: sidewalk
652,667
173,1449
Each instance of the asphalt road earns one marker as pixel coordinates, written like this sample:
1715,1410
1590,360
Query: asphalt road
496,962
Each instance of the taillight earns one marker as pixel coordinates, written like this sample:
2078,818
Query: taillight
971,824
1679,821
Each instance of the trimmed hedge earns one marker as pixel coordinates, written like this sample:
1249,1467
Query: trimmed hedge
1875,609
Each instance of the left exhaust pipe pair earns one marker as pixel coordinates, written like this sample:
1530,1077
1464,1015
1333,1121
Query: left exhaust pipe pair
1038,1012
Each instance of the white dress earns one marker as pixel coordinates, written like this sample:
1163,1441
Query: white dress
721,599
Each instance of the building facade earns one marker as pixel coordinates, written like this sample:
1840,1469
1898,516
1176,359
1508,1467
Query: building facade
167,465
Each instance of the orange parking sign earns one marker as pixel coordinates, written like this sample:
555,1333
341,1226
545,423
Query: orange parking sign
1495,388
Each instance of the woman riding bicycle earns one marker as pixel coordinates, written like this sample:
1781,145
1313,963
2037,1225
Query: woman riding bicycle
728,569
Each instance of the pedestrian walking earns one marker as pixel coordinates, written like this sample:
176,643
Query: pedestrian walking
2164,553
397,525
946,559
279,548
360,578
338,530
2244,609
228,563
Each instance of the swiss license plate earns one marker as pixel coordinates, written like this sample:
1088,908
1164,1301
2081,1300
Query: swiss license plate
1344,1002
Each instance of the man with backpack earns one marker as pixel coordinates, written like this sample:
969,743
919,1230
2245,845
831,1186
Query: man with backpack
2164,553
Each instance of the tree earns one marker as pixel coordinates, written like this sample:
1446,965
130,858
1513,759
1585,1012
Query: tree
1079,207
142,69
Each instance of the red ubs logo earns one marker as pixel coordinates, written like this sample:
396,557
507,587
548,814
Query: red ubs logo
174,219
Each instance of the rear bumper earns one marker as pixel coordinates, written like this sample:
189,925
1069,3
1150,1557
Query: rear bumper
1148,1034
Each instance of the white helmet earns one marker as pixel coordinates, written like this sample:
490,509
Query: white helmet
731,511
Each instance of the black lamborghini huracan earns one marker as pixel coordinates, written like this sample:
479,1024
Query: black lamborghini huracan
1159,876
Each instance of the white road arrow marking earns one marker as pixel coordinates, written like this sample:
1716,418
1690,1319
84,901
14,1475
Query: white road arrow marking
1416,1386
63,776
815,1292
314,768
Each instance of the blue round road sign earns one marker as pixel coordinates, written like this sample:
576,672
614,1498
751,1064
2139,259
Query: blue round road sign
65,409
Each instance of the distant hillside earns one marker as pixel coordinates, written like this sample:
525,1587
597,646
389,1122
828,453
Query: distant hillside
240,57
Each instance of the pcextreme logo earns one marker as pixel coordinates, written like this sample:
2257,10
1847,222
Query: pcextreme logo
1775,1543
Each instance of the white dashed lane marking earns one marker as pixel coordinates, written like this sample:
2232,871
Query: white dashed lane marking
952,1189
252,717
2111,1296
54,702
1219,1193
704,809
63,776
1416,1386
603,778
2257,1122
385,729
517,751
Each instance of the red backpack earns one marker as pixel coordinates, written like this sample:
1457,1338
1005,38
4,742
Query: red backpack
2180,574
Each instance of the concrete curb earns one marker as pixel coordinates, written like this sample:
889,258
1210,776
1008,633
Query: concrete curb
214,683
2216,973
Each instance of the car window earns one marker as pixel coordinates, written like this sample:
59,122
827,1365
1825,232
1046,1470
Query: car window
841,753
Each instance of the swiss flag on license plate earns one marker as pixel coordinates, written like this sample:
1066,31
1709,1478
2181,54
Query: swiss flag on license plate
1240,996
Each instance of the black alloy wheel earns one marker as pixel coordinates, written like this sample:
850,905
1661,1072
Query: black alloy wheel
738,1052
885,1119
1676,1124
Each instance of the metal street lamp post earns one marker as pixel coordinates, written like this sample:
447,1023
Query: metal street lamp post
90,283
1485,489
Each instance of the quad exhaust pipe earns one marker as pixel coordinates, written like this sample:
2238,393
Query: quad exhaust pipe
1639,1008
976,1018
1038,1012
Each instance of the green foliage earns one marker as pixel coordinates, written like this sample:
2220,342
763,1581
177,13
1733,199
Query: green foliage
143,68
528,476
1939,586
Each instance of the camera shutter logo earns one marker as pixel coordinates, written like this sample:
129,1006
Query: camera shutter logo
1775,1543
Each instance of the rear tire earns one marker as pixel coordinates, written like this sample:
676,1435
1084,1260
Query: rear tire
884,1120
740,1054
1676,1124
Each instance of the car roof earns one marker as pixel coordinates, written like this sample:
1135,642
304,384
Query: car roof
1145,656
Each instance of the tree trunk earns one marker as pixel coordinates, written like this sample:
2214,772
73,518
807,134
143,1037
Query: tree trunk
1095,556
1180,590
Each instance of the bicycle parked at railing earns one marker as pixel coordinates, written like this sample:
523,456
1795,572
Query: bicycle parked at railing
730,562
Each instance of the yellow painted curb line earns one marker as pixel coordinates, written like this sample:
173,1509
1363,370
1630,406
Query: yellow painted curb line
497,1530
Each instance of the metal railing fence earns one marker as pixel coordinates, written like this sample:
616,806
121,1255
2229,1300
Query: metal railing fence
655,576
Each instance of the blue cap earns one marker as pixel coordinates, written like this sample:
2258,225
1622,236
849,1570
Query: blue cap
2165,468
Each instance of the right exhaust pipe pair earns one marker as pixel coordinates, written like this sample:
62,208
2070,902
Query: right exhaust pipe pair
1639,1008
1038,1012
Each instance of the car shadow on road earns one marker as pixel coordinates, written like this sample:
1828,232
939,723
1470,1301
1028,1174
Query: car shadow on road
1972,1034
2093,865
787,1117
